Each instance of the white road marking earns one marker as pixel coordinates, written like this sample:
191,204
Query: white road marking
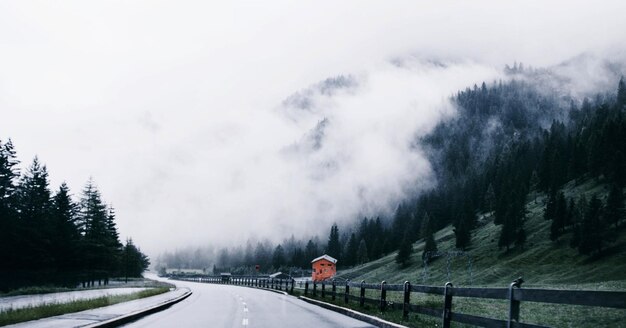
245,309
244,322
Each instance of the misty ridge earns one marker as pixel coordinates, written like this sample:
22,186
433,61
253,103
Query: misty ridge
433,130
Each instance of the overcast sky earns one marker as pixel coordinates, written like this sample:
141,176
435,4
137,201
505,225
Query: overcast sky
203,121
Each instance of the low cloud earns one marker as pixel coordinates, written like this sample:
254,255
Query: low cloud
211,123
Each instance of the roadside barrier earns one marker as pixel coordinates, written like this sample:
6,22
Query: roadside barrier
514,294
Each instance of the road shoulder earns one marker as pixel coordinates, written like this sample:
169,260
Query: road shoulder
110,316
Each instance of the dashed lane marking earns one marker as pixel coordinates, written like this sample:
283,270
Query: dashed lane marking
244,322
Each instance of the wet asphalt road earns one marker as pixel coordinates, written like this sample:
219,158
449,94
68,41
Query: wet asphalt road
241,307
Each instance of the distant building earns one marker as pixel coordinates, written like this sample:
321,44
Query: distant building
225,276
324,267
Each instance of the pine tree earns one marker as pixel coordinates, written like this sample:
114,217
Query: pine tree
311,250
621,93
35,203
550,210
490,199
350,256
361,252
578,216
430,246
112,240
559,217
133,260
464,225
8,213
591,229
507,232
93,225
404,252
334,247
278,258
615,206
66,236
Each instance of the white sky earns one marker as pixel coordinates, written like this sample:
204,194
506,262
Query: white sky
175,107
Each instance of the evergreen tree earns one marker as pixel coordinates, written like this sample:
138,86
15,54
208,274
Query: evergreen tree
311,251
66,236
404,252
621,93
559,217
464,225
550,210
615,205
430,246
112,240
93,224
134,261
490,198
591,229
350,254
361,252
298,259
278,258
35,203
9,235
333,248
578,216
507,233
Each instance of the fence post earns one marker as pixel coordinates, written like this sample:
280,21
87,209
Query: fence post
293,282
323,289
362,298
513,304
407,300
447,304
314,288
306,288
383,296
346,292
334,289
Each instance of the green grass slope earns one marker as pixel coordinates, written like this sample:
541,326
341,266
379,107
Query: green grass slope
542,262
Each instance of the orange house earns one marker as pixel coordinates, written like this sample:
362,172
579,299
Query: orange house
324,267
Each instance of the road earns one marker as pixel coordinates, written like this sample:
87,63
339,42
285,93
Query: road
217,306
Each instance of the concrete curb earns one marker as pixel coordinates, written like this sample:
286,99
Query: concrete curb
378,322
117,321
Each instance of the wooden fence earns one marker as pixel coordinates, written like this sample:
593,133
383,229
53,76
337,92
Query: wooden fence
514,294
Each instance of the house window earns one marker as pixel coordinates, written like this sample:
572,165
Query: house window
322,264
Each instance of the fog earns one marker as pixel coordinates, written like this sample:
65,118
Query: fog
211,122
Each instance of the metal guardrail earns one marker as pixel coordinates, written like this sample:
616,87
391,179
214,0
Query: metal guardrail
287,285
514,294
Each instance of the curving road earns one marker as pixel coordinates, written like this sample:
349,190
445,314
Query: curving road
240,307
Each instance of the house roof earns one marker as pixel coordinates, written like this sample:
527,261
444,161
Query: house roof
279,275
325,257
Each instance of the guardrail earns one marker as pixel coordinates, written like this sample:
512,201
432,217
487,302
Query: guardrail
514,294
251,281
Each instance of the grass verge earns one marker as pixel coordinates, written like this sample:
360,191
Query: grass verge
48,310
552,315
114,283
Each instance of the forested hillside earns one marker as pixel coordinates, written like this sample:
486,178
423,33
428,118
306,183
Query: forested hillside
49,238
509,141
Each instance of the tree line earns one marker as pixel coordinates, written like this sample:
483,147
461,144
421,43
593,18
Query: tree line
49,238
